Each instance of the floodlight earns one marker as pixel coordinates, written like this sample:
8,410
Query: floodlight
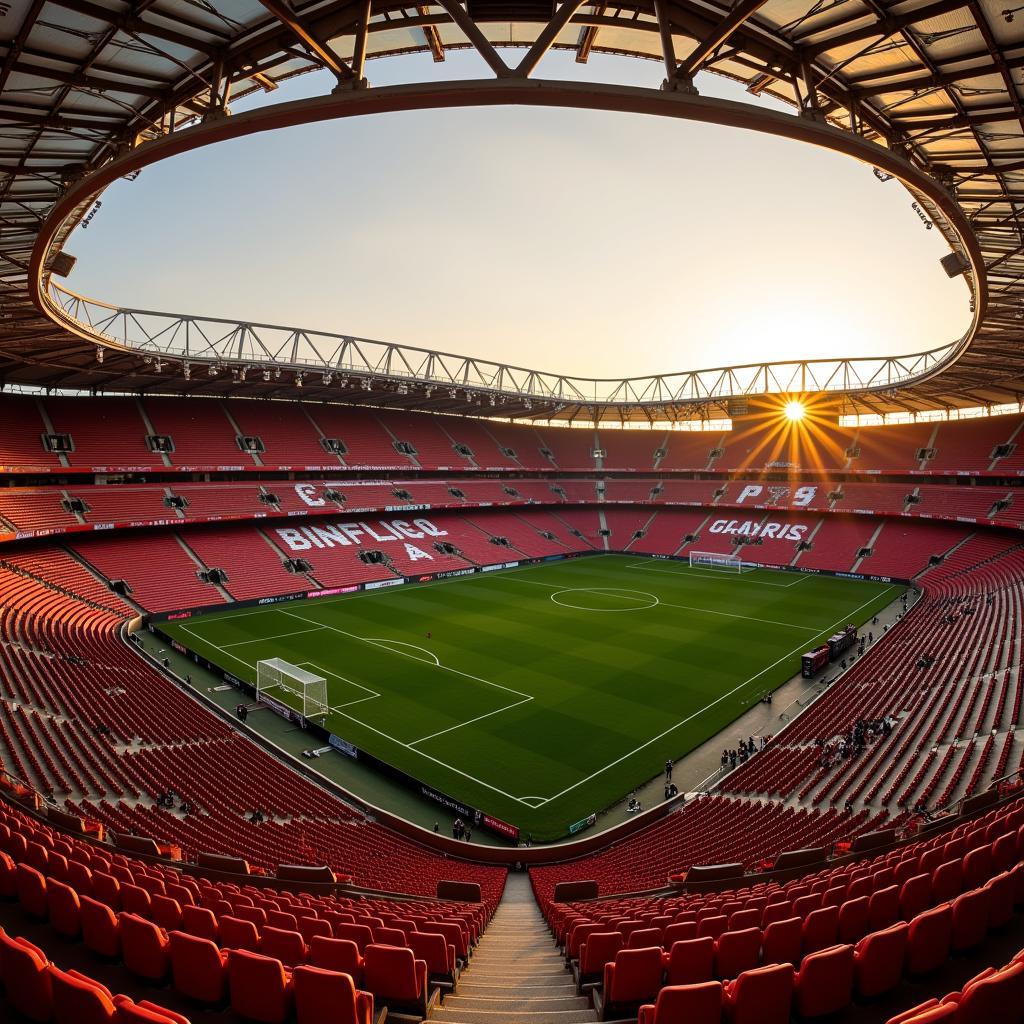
795,411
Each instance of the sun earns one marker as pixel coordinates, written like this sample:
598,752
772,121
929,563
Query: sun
795,411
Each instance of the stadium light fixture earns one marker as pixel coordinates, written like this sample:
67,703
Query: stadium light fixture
795,411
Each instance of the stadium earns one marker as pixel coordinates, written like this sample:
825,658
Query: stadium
345,679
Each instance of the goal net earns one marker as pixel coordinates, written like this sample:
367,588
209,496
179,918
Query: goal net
276,678
713,560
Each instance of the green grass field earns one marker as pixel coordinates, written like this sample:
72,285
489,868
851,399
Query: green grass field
546,692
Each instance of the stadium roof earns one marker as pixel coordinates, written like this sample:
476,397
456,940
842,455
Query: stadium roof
93,90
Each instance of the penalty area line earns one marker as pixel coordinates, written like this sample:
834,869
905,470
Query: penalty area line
689,718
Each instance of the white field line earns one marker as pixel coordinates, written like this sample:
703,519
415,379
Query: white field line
689,718
279,636
386,646
653,564
352,718
527,801
479,718
344,679
681,607
203,640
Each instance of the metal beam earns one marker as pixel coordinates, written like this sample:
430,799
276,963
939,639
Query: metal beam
707,46
547,36
479,41
321,51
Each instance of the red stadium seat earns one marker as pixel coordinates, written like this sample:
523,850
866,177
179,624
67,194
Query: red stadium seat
237,933
761,996
31,887
695,1004
691,961
633,979
26,977
65,911
287,946
915,896
259,987
144,947
80,1000
198,968
329,997
928,940
993,996
782,942
820,929
101,931
397,979
736,952
970,920
343,955
878,960
824,983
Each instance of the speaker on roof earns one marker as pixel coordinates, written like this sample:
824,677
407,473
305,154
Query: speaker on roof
954,264
63,263
738,407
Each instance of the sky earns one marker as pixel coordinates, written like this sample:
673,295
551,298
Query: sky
582,242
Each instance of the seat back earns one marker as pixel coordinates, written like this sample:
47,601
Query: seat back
322,995
237,933
970,919
258,987
879,958
199,921
339,955
25,977
677,932
197,967
144,947
64,909
389,972
884,908
289,947
763,995
928,939
997,997
695,1004
691,961
737,951
782,942
434,950
360,934
101,931
820,929
824,983
635,975
597,950
915,896
77,1000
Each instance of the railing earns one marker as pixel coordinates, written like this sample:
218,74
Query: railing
185,343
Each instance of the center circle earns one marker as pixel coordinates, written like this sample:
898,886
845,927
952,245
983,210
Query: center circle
605,599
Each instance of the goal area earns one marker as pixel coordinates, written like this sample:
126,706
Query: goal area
275,677
715,560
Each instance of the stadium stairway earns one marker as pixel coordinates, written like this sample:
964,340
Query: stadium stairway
516,975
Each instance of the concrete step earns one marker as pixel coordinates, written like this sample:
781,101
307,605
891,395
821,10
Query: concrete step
447,1016
528,985
512,1003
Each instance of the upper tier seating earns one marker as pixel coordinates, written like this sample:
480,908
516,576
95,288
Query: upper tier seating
112,432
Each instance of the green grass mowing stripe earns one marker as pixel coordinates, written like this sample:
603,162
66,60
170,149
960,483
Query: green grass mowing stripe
602,699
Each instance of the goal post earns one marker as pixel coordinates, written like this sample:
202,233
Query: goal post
276,677
716,560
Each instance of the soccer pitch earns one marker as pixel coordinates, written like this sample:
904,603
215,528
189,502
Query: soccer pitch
544,693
